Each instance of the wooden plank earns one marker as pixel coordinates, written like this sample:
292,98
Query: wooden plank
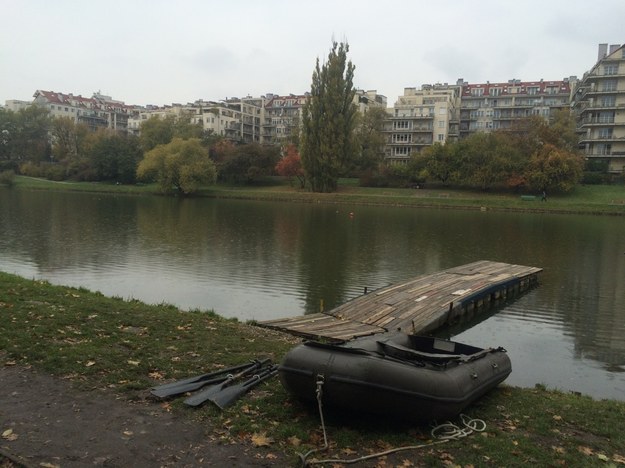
419,304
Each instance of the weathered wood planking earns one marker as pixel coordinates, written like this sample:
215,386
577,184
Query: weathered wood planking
419,305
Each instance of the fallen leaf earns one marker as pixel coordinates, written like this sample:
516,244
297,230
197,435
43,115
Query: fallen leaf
156,375
618,458
134,363
557,417
128,433
261,440
271,456
89,363
9,435
602,457
294,441
557,449
349,451
585,450
49,465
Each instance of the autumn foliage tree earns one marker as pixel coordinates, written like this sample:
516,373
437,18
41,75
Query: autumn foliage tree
290,166
553,168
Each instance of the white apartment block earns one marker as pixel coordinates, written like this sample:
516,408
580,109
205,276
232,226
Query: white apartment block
421,118
599,104
98,111
440,113
235,119
365,100
15,105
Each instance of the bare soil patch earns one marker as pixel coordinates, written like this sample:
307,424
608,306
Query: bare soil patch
47,422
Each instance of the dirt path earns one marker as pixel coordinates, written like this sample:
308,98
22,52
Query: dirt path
54,425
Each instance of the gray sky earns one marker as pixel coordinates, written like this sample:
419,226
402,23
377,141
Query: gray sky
159,52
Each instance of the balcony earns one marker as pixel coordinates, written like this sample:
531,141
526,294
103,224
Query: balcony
601,139
597,121
589,106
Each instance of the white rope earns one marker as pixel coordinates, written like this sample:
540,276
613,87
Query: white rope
443,433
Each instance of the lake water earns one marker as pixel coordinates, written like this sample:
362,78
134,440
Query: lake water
264,260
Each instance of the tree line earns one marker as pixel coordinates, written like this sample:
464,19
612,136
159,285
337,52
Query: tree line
334,140
174,152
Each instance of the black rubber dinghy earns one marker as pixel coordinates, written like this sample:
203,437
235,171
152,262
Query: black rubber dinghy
399,376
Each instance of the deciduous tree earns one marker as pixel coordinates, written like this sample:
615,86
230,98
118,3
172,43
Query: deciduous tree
553,168
328,119
290,166
181,166
370,139
246,163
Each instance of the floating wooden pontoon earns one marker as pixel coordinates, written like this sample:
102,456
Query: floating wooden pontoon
417,306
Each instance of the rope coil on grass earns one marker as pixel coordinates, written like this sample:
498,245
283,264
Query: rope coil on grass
443,433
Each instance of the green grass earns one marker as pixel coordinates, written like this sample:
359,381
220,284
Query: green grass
128,346
589,199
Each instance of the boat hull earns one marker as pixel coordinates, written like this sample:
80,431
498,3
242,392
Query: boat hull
367,376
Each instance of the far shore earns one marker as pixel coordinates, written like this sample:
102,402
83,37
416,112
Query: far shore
584,199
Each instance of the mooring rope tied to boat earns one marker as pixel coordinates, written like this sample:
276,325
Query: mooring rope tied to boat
443,433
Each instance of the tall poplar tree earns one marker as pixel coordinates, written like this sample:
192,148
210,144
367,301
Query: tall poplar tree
326,144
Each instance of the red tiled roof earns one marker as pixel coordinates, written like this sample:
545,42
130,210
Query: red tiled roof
563,87
79,101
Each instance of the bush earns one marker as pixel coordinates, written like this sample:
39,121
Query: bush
31,169
55,172
7,178
595,178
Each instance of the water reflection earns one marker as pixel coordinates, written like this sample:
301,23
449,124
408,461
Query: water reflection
265,260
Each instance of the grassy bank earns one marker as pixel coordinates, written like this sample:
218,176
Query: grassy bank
127,346
589,199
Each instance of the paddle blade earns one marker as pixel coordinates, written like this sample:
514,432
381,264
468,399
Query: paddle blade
230,394
193,383
185,387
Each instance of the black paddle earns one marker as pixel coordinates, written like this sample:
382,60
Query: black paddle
232,393
202,396
199,381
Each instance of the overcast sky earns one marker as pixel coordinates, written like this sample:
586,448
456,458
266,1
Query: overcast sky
164,51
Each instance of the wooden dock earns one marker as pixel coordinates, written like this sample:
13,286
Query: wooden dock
419,305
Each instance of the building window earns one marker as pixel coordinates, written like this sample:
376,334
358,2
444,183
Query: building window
494,91
401,124
533,89
441,137
609,85
608,101
605,133
402,138
477,92
610,69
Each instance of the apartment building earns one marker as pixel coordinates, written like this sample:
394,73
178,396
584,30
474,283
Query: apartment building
599,105
491,106
233,118
282,116
421,118
283,113
98,111
15,105
366,100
